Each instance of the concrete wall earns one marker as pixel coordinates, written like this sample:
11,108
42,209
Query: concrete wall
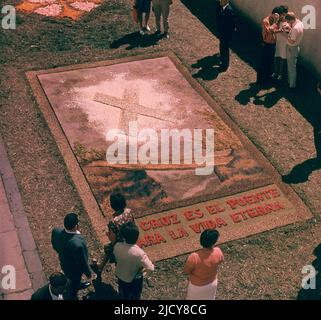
256,10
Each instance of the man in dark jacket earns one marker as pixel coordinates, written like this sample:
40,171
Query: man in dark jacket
73,253
56,289
226,28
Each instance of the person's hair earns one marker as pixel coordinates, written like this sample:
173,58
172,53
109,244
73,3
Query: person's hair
284,9
290,16
71,221
209,237
276,10
117,201
58,280
129,232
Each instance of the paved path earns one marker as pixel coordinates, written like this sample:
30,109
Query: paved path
17,246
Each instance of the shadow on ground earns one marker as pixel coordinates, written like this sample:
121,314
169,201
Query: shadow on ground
246,44
102,291
135,40
209,67
313,294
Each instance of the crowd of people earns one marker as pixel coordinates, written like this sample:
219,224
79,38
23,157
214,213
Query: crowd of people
131,262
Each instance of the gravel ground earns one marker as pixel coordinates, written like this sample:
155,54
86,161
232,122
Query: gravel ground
280,123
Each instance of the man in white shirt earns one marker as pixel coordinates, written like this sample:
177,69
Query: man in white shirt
293,49
131,262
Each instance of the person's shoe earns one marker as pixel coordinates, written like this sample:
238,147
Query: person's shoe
274,76
147,28
279,78
141,32
166,35
157,32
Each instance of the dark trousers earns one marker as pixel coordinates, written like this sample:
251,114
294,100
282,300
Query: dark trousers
74,285
132,290
225,53
265,69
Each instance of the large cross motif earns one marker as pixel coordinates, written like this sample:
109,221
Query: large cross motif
130,108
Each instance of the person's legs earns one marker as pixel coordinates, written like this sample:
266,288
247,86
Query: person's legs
265,69
147,19
157,12
165,13
225,54
140,21
145,14
123,290
144,23
261,72
277,67
75,282
137,288
139,8
270,60
292,57
282,67
130,291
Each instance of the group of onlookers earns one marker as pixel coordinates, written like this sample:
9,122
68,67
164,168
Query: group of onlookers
282,33
131,262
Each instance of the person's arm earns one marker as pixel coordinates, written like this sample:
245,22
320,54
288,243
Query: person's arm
54,239
147,265
221,255
265,26
82,260
273,28
189,265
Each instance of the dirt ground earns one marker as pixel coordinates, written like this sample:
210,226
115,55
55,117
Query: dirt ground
280,123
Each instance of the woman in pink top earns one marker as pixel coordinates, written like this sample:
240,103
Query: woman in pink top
202,268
